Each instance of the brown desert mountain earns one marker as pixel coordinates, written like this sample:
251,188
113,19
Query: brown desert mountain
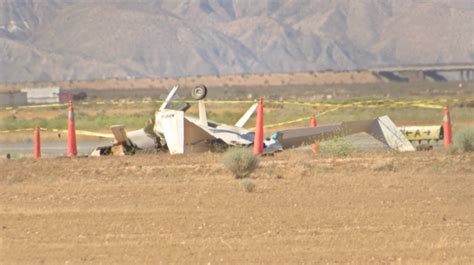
44,40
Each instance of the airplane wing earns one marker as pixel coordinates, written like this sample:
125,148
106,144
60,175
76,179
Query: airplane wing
293,138
382,129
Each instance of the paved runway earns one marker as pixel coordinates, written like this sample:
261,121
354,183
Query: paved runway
48,148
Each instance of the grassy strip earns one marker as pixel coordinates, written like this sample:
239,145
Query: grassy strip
103,118
93,123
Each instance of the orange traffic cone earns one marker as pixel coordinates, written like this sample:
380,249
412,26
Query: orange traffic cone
313,121
314,147
71,132
448,137
258,139
37,151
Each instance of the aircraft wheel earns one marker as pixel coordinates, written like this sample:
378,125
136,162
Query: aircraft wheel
199,92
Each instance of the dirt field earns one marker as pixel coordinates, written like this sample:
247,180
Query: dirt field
386,208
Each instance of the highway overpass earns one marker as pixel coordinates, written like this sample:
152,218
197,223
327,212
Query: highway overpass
422,72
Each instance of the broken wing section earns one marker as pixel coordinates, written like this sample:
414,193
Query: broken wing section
137,138
119,133
128,143
293,138
384,130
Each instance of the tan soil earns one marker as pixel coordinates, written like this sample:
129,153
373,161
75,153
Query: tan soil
386,208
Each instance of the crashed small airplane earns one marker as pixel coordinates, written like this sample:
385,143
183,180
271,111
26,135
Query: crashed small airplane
173,131
179,133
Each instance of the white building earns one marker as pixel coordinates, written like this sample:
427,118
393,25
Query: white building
42,95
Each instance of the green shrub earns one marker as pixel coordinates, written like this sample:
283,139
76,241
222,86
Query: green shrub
247,184
337,147
464,140
240,161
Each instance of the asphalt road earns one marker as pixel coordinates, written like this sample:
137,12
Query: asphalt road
48,148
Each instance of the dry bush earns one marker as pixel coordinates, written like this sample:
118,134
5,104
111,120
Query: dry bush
464,140
240,161
248,184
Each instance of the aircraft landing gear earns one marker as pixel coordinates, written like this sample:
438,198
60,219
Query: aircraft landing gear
199,92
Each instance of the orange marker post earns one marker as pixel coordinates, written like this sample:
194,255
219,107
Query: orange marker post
37,143
258,139
447,130
314,147
71,132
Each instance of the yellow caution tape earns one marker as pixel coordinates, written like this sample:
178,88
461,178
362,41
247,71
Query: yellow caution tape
17,130
296,120
88,133
78,132
422,103
428,106
36,106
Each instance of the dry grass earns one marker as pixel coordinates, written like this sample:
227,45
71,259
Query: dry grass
341,210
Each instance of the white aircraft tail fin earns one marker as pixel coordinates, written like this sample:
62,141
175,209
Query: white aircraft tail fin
172,123
202,113
243,120
169,98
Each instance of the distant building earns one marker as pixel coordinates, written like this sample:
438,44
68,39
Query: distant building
46,95
12,98
42,95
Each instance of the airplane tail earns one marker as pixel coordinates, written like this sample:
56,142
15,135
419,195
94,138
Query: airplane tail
173,130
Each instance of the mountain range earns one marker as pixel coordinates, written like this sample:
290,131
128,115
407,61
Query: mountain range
51,40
